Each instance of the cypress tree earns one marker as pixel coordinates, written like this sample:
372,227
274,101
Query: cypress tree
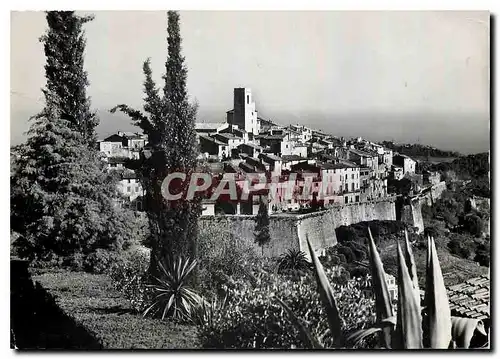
62,199
64,46
262,235
169,122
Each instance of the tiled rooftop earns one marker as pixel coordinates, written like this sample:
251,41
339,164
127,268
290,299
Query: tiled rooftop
209,125
252,145
270,156
287,158
363,153
472,298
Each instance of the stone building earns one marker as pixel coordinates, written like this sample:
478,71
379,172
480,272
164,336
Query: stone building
123,145
244,114
339,182
431,177
213,147
364,158
405,162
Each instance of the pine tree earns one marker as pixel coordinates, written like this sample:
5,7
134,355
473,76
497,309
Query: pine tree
262,235
62,200
169,122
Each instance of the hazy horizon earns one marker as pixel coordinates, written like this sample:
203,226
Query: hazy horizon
411,77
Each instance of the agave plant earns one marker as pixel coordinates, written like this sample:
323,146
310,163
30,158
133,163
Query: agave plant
432,327
205,311
293,259
172,295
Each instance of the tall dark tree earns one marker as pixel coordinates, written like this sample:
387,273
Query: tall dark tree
62,199
169,122
262,235
64,46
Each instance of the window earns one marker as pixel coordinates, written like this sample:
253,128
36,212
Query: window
128,189
352,176
248,99
352,186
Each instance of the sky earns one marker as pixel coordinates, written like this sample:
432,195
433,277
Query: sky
414,77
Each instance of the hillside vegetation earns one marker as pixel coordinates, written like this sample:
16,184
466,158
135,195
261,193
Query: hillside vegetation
417,150
352,252
473,168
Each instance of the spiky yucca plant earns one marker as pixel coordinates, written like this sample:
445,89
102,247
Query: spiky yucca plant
412,328
172,295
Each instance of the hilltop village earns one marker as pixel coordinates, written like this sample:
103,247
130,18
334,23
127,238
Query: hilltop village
357,170
165,262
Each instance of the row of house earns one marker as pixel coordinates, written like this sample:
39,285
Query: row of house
349,171
118,148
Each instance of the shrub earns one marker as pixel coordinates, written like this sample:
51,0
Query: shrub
483,254
343,278
347,252
474,225
391,264
382,231
99,261
221,255
454,246
431,231
129,273
360,255
334,260
465,252
330,260
253,319
346,233
461,245
359,272
427,212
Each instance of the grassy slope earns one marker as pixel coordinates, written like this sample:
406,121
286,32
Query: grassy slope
92,302
455,269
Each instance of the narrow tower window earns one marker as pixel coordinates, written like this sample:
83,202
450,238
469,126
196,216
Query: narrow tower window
248,99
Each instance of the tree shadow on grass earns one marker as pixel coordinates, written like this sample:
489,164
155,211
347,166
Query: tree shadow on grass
37,322
117,309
